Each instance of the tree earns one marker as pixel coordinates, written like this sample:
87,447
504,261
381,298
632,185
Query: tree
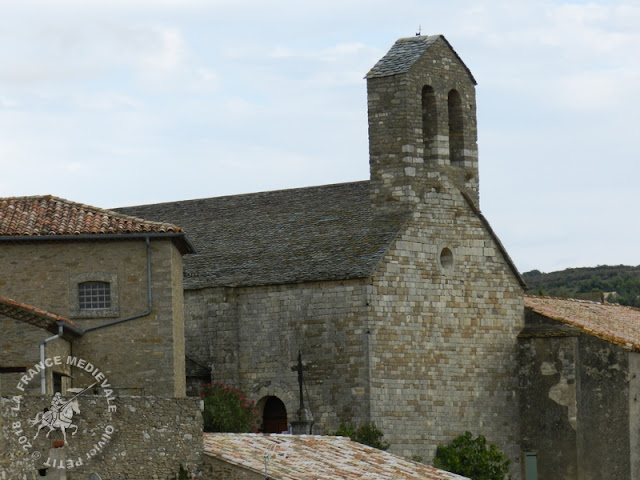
226,409
472,458
367,434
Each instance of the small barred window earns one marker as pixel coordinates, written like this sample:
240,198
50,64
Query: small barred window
94,295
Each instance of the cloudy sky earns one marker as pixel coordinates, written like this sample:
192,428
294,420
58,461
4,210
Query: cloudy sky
125,102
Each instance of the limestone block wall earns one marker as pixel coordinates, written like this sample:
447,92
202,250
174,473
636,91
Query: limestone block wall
252,336
145,354
144,438
447,310
20,347
211,330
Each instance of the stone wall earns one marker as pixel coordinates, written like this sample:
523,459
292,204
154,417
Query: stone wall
144,438
578,394
252,337
143,355
20,347
548,392
446,313
603,410
409,142
219,469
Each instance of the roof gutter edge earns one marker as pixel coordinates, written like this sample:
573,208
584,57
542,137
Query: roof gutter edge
100,236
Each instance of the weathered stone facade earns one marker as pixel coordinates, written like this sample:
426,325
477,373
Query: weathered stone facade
145,438
579,401
251,337
21,347
443,354
422,123
42,274
91,310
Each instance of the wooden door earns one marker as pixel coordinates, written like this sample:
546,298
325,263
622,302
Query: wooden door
274,418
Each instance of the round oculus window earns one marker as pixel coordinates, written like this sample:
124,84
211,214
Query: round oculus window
446,260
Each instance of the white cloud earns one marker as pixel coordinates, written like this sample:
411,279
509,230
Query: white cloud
6,102
599,90
106,102
167,51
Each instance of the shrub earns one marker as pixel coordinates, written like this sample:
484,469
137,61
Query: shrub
226,409
367,434
471,457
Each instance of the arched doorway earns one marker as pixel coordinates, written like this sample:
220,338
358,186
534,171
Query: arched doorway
274,416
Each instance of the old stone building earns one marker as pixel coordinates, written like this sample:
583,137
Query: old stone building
91,311
117,279
397,294
580,390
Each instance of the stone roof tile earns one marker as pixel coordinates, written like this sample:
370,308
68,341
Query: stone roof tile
617,324
286,236
310,457
405,52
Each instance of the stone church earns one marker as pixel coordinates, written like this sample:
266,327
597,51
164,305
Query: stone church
390,300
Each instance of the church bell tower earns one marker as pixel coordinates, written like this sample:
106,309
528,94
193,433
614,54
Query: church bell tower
422,123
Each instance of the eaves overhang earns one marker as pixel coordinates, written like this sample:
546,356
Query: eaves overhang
181,240
37,317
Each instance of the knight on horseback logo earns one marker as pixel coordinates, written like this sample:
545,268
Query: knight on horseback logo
59,415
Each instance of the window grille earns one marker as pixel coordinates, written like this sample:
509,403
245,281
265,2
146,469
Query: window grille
94,295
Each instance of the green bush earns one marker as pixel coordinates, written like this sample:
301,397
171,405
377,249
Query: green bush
472,458
367,434
226,409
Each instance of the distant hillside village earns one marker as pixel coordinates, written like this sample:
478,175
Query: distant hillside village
389,301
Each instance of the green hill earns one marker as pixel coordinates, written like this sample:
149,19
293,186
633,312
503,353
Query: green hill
618,284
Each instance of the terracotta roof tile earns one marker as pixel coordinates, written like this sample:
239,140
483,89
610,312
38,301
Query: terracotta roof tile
48,215
33,315
615,323
314,457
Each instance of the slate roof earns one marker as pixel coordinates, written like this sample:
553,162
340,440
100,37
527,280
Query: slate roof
286,236
47,216
35,316
405,52
617,324
314,457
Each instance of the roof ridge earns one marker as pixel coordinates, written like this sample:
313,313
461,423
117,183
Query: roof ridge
618,324
247,194
405,52
583,300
